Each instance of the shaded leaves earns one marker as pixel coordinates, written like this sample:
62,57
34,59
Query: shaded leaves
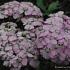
50,8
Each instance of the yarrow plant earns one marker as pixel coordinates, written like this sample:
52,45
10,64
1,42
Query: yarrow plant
54,40
16,50
17,47
16,9
22,47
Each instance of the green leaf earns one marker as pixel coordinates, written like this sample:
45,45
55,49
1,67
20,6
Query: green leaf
52,7
41,5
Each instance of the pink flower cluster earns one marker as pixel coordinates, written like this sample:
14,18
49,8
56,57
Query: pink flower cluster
16,50
16,9
50,38
54,41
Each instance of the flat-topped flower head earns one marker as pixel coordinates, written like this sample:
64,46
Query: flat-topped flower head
55,38
16,50
18,33
18,9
